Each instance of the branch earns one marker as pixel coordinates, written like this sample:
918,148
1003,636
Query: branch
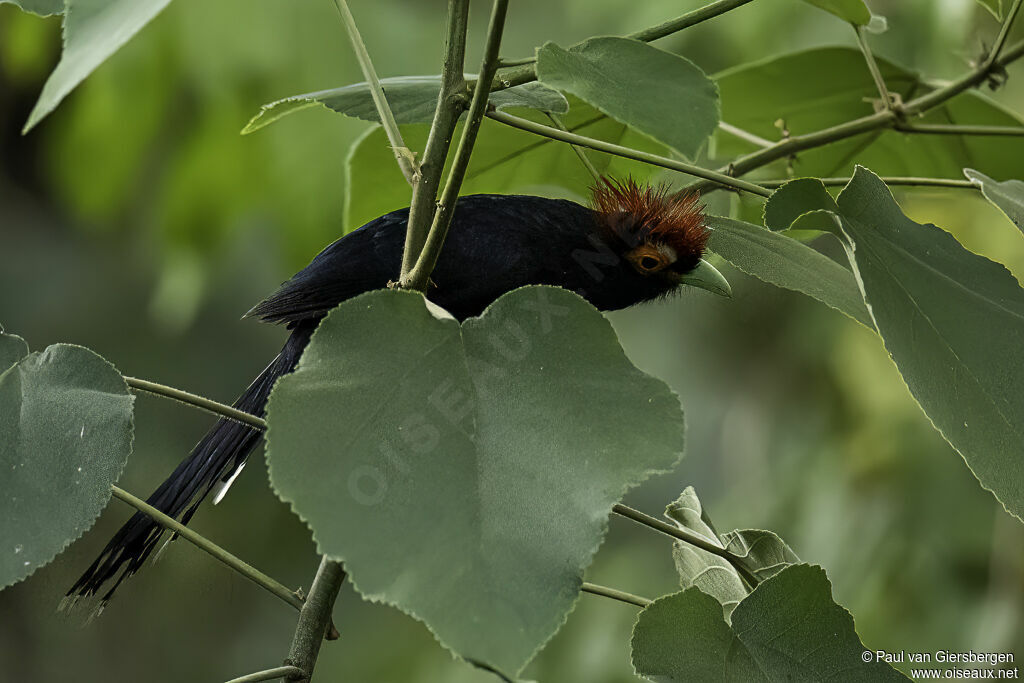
206,404
614,594
715,177
451,102
314,619
1004,33
955,129
584,159
526,71
744,135
387,118
865,124
900,180
687,536
420,274
203,543
268,675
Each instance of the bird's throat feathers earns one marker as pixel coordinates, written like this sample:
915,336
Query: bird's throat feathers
639,215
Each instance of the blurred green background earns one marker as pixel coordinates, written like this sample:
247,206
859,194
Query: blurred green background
136,221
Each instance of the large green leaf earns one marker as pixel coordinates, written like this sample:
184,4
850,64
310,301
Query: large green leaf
787,629
834,87
412,100
465,473
505,160
65,434
1007,195
43,8
93,30
783,261
952,321
655,92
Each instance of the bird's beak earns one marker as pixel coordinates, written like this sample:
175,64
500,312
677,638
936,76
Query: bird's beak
707,277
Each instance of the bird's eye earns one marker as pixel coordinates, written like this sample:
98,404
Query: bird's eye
649,263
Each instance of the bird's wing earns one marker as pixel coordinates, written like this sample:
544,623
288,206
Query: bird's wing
364,260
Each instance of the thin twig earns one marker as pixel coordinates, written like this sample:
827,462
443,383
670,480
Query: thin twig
1004,33
956,129
584,159
687,536
876,73
420,274
888,180
615,594
387,118
208,546
268,675
206,404
715,177
525,71
744,135
314,619
451,102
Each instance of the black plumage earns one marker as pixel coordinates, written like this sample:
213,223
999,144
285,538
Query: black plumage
615,257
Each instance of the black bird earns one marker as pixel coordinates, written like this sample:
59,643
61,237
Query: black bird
636,244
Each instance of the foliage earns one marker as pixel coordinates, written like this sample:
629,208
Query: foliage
491,488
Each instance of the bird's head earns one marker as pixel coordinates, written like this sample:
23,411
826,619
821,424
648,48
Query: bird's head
661,235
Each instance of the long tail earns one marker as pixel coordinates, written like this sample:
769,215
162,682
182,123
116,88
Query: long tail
214,461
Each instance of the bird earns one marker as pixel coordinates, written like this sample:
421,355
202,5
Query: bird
636,242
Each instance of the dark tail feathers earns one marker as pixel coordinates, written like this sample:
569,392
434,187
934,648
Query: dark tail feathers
216,458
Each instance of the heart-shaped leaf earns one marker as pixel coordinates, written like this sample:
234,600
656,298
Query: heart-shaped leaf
464,473
653,91
412,100
65,434
787,629
952,321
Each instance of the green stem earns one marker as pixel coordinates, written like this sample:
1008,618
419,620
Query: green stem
744,135
451,102
387,118
614,594
715,177
584,159
197,401
420,274
955,129
687,536
905,181
268,675
526,71
203,543
876,73
314,619
1004,33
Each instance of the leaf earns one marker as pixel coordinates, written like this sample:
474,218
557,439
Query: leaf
93,30
412,99
43,8
710,573
653,91
1007,195
447,466
835,87
762,553
993,6
853,11
952,322
787,629
12,349
785,262
65,434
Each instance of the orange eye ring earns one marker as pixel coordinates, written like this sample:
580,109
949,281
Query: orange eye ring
648,259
